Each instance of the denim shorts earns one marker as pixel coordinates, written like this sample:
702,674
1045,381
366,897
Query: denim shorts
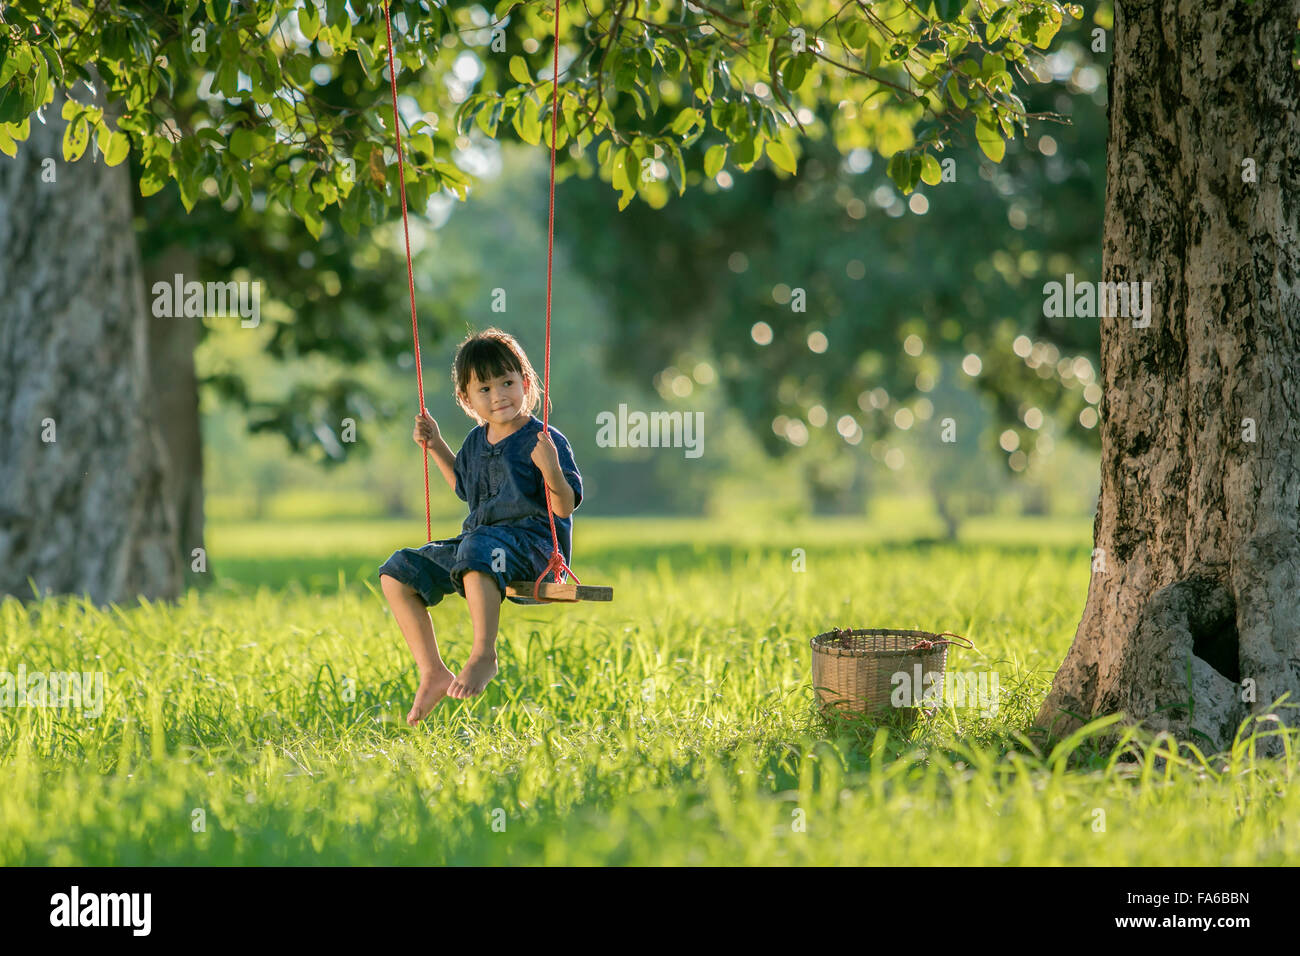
438,568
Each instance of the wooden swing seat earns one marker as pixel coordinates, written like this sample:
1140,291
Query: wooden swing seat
551,591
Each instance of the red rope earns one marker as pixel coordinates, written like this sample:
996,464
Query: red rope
410,274
556,563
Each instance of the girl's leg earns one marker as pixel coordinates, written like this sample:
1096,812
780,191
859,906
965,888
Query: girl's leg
417,627
484,598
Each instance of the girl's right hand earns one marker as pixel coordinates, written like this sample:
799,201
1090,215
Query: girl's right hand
426,429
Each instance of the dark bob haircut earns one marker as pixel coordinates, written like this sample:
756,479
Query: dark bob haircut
488,354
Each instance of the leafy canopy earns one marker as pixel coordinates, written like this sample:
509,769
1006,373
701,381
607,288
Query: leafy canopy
294,95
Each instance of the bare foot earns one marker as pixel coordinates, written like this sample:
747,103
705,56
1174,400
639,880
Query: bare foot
480,669
433,688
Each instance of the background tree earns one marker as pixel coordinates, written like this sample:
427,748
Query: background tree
82,465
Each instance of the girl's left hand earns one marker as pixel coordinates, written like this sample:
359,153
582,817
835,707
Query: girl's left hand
544,454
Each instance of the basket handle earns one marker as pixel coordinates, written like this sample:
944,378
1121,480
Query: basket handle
924,644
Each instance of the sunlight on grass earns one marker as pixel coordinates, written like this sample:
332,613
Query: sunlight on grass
259,721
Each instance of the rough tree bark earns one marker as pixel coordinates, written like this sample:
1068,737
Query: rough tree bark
175,401
1198,525
84,513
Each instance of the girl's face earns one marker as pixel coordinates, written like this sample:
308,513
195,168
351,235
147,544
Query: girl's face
499,400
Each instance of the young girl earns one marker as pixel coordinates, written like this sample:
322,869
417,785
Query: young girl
499,471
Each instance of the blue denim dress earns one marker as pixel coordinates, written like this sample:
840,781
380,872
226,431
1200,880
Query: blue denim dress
507,534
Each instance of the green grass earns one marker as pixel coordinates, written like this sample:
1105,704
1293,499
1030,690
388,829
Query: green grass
259,720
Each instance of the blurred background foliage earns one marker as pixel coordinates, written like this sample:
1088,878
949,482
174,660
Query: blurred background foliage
832,330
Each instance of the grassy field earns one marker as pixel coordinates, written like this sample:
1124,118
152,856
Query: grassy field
259,720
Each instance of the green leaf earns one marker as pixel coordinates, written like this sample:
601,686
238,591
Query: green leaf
188,186
677,168
42,90
561,132
997,25
450,171
781,156
714,159
901,168
625,76
686,119
298,67
271,78
328,192
76,137
150,183
526,121
420,141
244,182
7,145
366,57
313,222
227,79
621,177
1041,26
954,92
795,72
745,153
637,99
241,143
948,9
488,118
928,80
118,148
308,20
990,140
931,174
855,32
519,70
872,55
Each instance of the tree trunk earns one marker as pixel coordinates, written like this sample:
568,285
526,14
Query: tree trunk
1192,622
175,400
943,507
84,512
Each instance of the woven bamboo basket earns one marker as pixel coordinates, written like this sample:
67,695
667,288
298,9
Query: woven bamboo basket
853,668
